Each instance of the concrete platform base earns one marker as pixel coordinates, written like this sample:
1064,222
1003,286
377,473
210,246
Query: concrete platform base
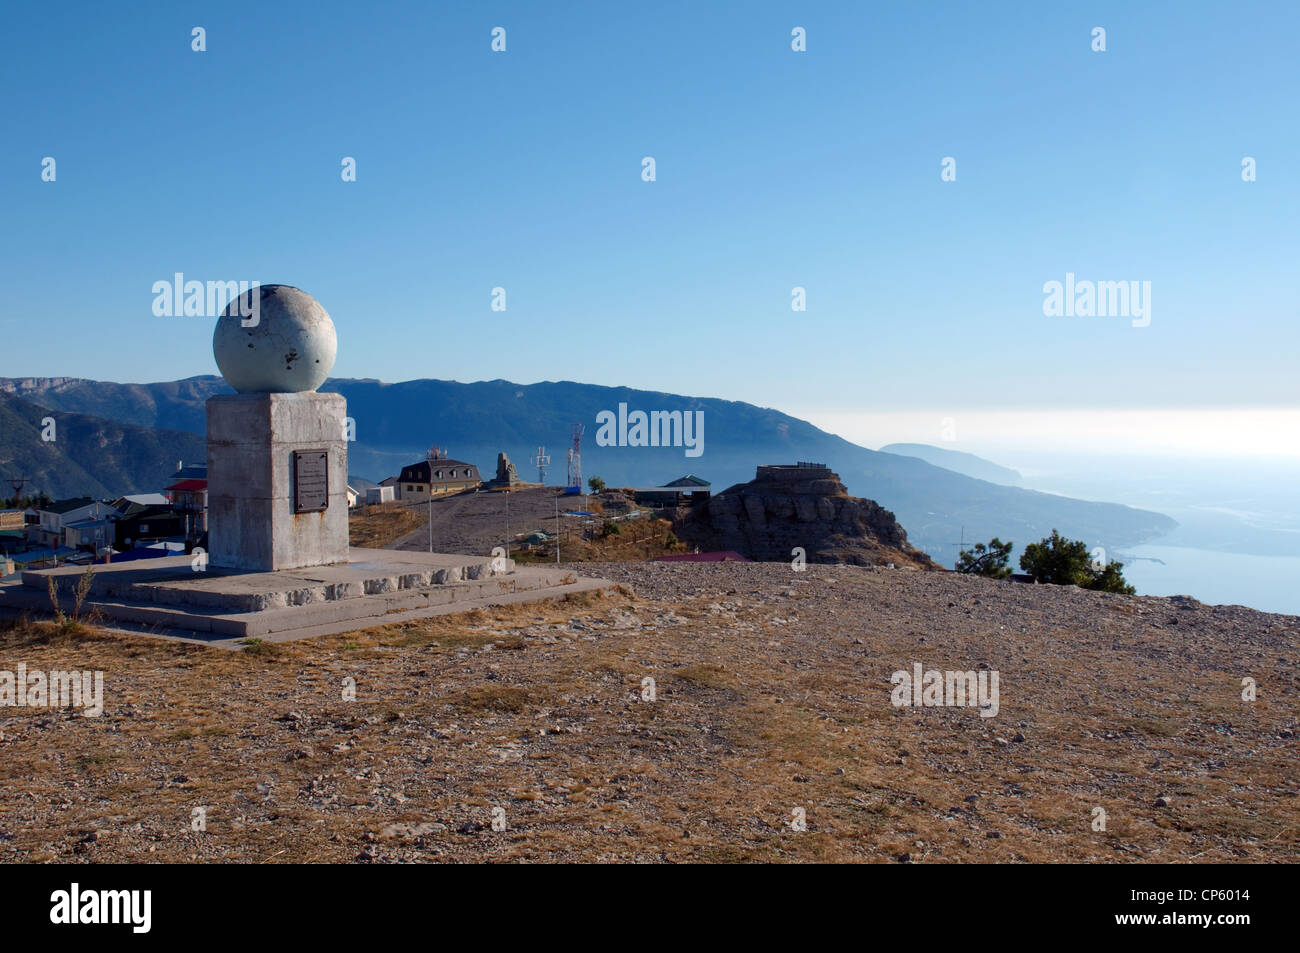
176,596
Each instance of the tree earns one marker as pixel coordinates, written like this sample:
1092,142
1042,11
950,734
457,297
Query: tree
1067,562
596,484
990,560
1111,579
1057,560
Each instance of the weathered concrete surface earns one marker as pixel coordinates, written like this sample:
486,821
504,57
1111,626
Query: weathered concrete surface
184,581
377,587
251,441
275,339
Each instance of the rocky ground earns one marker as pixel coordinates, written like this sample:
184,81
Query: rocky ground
771,704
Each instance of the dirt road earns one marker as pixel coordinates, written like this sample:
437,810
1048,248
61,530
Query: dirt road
473,523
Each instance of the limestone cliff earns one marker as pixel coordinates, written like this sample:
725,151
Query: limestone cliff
803,506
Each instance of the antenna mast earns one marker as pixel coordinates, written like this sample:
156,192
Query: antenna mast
541,461
575,459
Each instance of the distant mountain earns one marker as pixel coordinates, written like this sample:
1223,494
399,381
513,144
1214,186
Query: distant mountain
957,461
396,424
89,456
171,405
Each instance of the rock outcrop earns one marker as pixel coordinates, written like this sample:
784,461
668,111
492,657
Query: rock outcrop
802,506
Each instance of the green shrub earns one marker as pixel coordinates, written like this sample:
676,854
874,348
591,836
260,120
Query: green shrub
1067,562
990,560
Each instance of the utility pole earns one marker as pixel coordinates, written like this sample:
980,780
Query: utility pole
17,483
961,547
557,530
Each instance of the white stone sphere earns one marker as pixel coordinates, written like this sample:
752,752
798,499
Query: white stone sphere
289,344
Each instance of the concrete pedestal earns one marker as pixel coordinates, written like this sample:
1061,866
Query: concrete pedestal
254,493
377,587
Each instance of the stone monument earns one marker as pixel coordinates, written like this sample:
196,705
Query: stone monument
507,475
278,565
277,457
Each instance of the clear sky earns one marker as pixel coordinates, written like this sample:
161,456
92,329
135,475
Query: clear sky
774,168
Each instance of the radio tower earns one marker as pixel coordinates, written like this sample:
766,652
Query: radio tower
541,461
575,460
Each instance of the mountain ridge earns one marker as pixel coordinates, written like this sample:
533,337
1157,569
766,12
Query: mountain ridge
959,461
88,455
397,422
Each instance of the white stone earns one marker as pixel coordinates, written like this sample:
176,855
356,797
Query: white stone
288,347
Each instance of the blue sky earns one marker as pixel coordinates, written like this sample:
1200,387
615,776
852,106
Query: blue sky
774,169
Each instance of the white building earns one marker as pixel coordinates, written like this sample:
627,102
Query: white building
64,513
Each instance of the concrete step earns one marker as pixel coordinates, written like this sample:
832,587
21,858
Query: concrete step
265,622
375,587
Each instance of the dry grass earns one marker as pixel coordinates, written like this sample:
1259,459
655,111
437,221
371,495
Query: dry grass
538,710
636,539
376,526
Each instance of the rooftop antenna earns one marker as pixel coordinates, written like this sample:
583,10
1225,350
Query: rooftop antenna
575,459
541,460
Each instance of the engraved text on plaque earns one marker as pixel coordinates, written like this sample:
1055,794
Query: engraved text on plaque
311,491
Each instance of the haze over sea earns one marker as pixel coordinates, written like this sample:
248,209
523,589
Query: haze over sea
1238,539
1230,478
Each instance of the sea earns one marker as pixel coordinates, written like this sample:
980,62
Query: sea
1238,539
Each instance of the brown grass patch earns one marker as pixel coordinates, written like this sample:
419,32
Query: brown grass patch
374,527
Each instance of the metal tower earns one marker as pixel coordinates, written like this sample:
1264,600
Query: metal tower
575,460
541,461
